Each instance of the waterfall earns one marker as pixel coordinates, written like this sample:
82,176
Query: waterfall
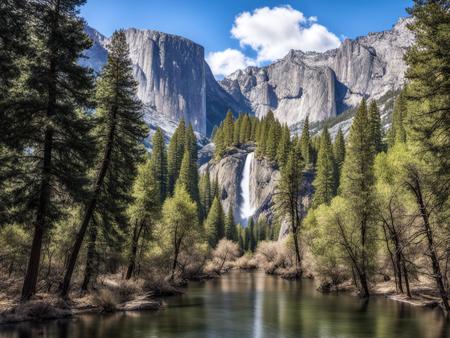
246,209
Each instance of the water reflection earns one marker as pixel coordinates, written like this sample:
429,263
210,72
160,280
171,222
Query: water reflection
243,305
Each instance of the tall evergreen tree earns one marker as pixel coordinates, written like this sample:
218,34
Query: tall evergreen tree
284,146
120,131
230,226
305,142
228,129
356,184
158,164
191,146
339,154
175,155
325,181
215,223
428,90
44,121
376,135
237,130
205,192
397,133
14,45
288,198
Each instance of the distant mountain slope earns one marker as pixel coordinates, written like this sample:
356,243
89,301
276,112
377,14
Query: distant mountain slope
323,85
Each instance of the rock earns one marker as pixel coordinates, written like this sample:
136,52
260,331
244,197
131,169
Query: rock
323,85
139,304
174,81
228,172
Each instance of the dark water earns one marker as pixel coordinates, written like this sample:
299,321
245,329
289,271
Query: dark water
242,305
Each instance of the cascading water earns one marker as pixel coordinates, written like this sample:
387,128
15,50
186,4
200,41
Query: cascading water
245,209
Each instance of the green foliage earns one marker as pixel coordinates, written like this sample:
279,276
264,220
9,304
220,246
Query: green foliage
215,223
158,164
325,182
339,154
428,89
305,143
206,194
175,155
375,136
230,226
397,133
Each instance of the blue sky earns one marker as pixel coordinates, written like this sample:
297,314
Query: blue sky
234,38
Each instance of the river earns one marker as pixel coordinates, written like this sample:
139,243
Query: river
241,305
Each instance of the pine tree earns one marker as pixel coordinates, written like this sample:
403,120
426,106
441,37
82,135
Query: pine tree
44,121
120,131
305,142
376,137
230,226
237,130
205,194
356,184
397,133
325,181
339,154
214,224
245,130
175,155
158,164
219,143
228,129
15,45
191,147
288,197
428,90
272,142
284,146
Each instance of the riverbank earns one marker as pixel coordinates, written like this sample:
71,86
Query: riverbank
116,295
111,294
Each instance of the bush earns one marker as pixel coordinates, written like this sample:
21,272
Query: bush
225,253
272,256
158,286
106,300
246,262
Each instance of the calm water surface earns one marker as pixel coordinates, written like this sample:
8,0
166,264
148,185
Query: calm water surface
243,305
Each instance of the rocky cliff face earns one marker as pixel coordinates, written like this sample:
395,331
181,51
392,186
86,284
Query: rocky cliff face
228,171
325,84
174,81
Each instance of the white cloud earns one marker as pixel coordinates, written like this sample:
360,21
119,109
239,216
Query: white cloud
271,33
226,62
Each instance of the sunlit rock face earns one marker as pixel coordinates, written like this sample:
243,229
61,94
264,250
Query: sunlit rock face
323,85
170,73
261,181
174,81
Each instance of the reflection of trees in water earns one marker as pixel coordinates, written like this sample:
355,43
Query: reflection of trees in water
243,305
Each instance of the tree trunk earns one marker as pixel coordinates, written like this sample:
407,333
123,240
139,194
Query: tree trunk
31,276
297,252
416,188
364,285
134,246
90,257
405,274
90,205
